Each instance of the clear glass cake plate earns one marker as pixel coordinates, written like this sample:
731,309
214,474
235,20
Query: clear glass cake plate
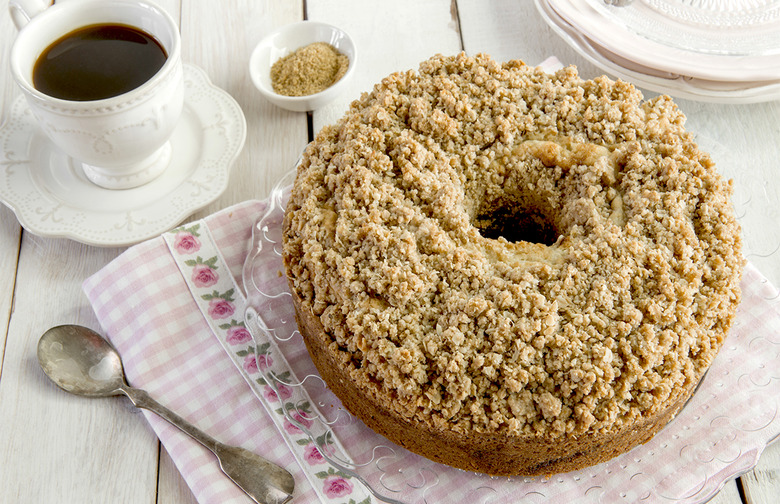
718,436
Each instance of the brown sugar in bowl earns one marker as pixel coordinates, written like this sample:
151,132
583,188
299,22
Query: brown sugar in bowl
287,40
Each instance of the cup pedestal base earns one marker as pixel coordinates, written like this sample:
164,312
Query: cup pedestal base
133,175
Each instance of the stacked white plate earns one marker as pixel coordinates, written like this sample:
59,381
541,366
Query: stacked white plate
724,51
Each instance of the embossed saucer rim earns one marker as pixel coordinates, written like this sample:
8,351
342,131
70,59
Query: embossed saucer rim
51,197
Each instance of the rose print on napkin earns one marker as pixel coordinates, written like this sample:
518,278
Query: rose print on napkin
256,361
236,333
282,393
301,418
335,485
185,240
221,305
254,364
312,455
204,271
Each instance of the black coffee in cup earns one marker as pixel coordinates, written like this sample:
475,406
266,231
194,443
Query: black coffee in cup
97,62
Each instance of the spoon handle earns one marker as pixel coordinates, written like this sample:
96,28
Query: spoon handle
264,481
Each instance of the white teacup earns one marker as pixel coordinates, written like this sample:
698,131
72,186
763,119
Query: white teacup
122,141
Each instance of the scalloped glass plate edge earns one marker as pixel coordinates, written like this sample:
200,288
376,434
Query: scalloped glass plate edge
689,461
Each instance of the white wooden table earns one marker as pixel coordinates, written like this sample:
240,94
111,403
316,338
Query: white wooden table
55,447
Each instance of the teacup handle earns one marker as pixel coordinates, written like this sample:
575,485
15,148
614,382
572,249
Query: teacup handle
22,11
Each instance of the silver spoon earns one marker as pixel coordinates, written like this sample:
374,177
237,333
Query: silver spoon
80,361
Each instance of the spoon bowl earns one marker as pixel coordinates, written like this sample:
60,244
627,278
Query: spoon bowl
80,361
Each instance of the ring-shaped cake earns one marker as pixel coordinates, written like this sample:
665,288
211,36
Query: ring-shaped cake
511,272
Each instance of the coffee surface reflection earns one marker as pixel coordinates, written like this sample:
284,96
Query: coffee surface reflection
97,62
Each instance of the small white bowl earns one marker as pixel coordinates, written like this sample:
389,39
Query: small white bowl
286,40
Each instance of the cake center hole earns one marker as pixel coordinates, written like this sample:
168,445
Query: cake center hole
516,224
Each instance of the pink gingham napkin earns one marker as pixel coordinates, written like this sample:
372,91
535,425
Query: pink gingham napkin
148,312
170,348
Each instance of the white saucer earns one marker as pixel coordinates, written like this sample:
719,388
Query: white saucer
51,197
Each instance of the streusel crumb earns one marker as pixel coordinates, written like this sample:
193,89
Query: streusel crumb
504,250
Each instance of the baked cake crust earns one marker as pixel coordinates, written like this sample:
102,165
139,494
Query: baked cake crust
573,341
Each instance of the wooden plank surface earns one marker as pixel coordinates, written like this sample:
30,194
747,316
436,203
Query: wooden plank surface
59,448
219,37
762,485
10,230
55,447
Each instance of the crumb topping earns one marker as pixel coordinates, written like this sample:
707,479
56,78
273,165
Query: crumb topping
505,250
